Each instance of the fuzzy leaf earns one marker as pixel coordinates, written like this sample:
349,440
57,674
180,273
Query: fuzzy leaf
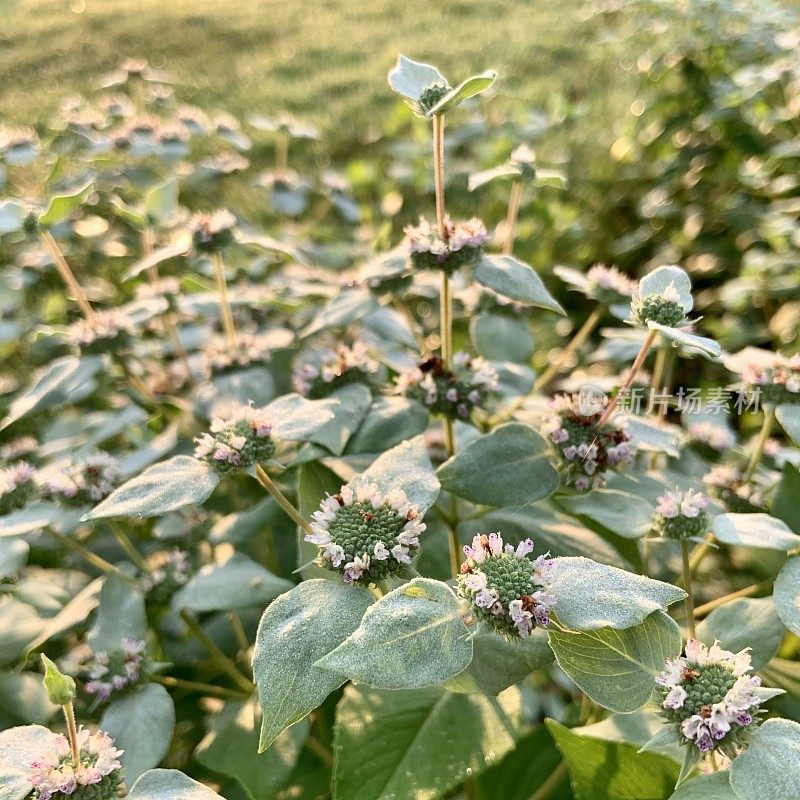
18,747
468,88
770,766
707,347
716,786
62,205
789,418
12,216
787,594
511,278
409,78
298,419
121,614
657,281
622,513
754,530
169,784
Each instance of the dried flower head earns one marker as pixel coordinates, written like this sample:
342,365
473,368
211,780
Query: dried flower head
584,450
366,535
113,671
775,385
81,481
729,484
710,697
461,246
505,587
96,776
107,331
17,486
681,515
336,368
452,393
212,232
237,441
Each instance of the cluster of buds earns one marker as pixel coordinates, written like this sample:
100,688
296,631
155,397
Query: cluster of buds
506,588
366,535
338,367
584,450
452,393
116,670
81,481
108,330
609,286
168,572
776,385
710,697
663,308
681,515
219,357
97,775
729,485
212,232
17,486
716,437
237,441
461,246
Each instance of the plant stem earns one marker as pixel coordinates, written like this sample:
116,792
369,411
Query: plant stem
127,545
405,312
449,437
552,782
92,558
68,276
202,688
72,732
766,428
687,587
514,200
445,295
281,151
623,390
222,661
748,591
272,488
224,302
713,757
239,631
577,340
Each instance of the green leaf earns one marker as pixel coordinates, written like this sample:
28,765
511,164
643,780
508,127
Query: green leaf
770,766
354,402
500,337
12,216
511,278
468,88
406,745
789,418
745,623
62,205
19,624
18,747
408,77
504,172
346,308
296,630
754,530
786,594
13,555
389,421
161,201
406,466
691,760
784,502
413,636
169,784
237,583
591,595
64,380
121,613
716,786
231,744
141,724
507,467
498,663
617,668
707,347
164,487
158,256
622,513
657,281
315,482
298,419
24,699
604,770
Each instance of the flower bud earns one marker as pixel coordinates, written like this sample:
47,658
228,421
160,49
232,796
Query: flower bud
60,687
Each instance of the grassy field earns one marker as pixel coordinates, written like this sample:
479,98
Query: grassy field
326,59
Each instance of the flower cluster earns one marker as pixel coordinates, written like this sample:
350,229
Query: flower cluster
17,486
663,308
728,484
709,696
681,515
714,436
212,232
108,330
114,671
776,385
81,481
17,448
365,534
452,393
504,586
586,451
609,286
169,571
462,244
219,357
238,440
96,776
338,367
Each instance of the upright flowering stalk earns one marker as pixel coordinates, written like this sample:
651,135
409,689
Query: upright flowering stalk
108,331
366,535
462,245
710,699
504,587
429,95
682,515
